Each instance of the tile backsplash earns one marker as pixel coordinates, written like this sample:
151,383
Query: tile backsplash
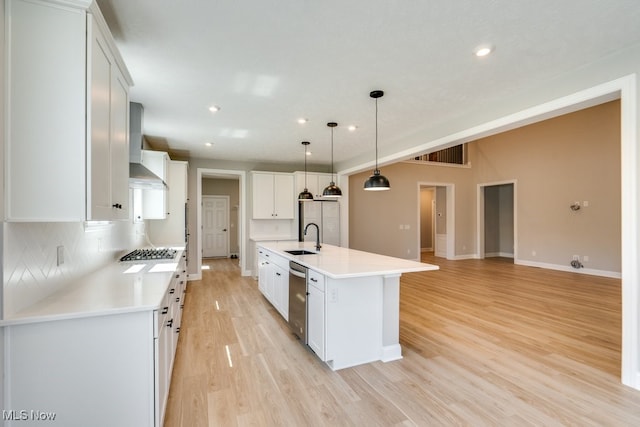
31,271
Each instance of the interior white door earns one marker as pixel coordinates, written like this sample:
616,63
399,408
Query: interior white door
215,226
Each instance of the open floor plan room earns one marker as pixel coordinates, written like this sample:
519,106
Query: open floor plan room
485,342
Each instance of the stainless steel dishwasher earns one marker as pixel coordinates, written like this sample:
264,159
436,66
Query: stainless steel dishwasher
298,300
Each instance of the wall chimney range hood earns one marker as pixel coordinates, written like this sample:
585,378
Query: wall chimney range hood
139,176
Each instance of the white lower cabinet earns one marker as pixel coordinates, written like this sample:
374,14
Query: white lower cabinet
281,290
169,320
103,371
316,314
273,280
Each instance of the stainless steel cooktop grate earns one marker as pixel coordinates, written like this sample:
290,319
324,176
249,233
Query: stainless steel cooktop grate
150,254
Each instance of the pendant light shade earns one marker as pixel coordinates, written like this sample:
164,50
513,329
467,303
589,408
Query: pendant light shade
332,190
305,195
376,182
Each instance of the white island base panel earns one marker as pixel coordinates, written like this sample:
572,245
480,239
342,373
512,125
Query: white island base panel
353,299
362,320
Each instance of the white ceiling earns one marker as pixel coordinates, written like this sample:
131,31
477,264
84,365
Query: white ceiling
267,63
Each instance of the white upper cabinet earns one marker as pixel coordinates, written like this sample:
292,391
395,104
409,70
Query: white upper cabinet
108,170
66,151
273,195
155,203
172,230
316,183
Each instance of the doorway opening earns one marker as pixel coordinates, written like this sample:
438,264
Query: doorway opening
221,182
497,220
436,219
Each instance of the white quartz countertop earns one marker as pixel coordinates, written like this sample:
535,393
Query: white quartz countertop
110,290
340,263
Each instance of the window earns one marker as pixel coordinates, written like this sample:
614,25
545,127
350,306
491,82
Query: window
456,155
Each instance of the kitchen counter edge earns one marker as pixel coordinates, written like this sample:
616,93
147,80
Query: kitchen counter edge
109,277
342,263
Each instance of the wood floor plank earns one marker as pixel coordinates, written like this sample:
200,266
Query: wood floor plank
485,342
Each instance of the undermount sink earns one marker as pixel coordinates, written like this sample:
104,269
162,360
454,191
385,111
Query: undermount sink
301,252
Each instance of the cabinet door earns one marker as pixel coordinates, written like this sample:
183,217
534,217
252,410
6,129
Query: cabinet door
172,231
263,193
262,273
163,362
281,291
315,322
155,202
284,199
99,203
108,168
119,146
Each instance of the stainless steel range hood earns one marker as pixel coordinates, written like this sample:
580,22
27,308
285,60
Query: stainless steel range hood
139,176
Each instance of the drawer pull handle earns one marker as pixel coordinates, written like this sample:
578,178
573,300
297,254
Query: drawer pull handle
313,279
170,323
165,310
172,290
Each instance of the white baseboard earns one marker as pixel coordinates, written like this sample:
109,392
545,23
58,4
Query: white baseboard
498,254
568,268
426,249
191,277
467,256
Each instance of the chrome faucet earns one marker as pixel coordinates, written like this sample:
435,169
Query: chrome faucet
317,234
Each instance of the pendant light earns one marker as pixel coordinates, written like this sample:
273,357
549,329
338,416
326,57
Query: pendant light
376,182
332,189
305,195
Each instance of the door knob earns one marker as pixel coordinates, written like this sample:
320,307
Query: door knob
224,229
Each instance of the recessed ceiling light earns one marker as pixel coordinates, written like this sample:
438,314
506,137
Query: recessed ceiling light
308,153
208,144
302,121
352,128
214,108
484,50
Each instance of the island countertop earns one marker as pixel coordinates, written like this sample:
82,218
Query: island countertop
341,263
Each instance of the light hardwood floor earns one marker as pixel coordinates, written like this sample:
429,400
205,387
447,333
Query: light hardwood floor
484,343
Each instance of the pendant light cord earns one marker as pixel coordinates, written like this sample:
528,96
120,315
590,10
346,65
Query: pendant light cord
305,166
332,155
376,133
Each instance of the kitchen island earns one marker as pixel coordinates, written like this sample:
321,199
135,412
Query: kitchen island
353,299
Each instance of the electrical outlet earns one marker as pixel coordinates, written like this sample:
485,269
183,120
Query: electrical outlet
60,255
576,257
585,258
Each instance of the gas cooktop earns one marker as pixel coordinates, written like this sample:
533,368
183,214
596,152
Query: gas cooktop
150,254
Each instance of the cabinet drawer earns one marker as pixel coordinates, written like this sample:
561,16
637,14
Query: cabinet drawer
316,280
162,315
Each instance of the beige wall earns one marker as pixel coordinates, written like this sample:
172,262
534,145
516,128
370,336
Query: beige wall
575,157
231,188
